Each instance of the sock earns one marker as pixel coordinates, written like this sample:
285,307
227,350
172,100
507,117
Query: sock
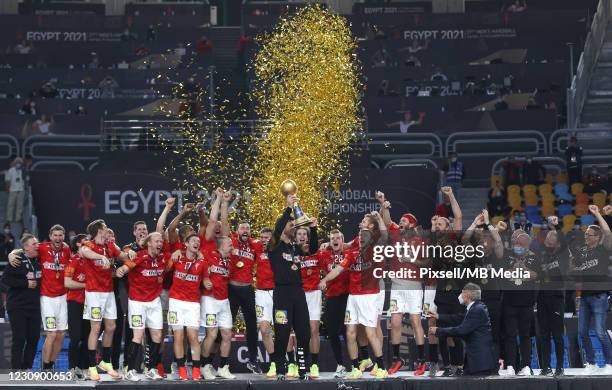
421,353
355,363
180,362
364,353
154,353
314,358
222,361
433,353
204,360
132,355
380,362
272,357
196,363
91,357
212,359
396,353
291,357
47,366
106,354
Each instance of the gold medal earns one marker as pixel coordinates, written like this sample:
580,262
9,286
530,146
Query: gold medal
309,272
240,264
294,267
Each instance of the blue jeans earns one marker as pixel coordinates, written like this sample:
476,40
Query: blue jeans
596,307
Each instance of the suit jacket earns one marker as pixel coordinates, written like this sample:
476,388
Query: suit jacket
475,328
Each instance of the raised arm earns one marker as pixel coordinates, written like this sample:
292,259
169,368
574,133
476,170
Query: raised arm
469,232
161,221
225,227
214,215
605,229
499,244
458,216
281,222
173,228
384,208
384,233
203,219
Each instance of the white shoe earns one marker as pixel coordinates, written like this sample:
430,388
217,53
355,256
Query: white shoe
509,371
132,375
174,368
526,371
225,373
208,372
590,369
606,370
152,374
340,371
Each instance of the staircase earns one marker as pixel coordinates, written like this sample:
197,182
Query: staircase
597,110
472,201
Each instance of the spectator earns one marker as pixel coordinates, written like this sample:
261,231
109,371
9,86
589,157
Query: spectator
444,209
80,111
107,87
381,58
497,199
204,45
407,122
23,47
44,124
533,172
49,89
573,161
593,182
15,185
522,223
7,244
512,172
151,33
455,173
28,108
95,61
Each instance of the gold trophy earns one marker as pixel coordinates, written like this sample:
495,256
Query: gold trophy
288,187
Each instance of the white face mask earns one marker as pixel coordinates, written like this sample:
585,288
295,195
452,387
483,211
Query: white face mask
461,301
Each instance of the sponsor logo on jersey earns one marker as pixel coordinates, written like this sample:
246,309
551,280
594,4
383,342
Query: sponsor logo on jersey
280,317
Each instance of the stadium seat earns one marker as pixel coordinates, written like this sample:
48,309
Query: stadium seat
569,222
599,199
561,178
497,219
514,200
548,209
582,198
531,200
529,189
533,214
577,188
514,189
561,191
545,189
549,179
586,220
496,179
581,209
548,198
564,209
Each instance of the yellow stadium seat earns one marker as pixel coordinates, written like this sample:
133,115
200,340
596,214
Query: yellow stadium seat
545,189
581,209
568,222
561,178
496,179
548,198
548,179
582,198
531,200
496,219
514,200
577,188
514,189
599,198
548,209
529,189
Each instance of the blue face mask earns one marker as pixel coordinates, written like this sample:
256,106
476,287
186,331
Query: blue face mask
519,250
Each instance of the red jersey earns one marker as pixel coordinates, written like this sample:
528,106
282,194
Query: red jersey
206,245
340,285
361,275
243,259
146,276
310,267
263,273
170,248
98,279
53,263
187,279
219,274
76,271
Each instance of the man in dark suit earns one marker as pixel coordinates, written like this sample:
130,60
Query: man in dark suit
474,327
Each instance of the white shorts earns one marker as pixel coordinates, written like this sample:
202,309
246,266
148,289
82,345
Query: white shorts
429,296
54,313
215,313
145,314
380,303
263,305
164,303
313,300
362,309
183,313
406,298
99,305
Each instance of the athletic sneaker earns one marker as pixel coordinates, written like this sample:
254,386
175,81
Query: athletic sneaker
254,367
152,374
280,377
93,374
132,376
508,372
433,369
547,371
373,370
396,365
225,373
182,374
381,374
174,368
526,371
108,368
76,374
420,369
292,371
366,364
314,371
340,371
559,372
355,373
208,372
196,373
606,370
161,370
449,371
272,371
590,369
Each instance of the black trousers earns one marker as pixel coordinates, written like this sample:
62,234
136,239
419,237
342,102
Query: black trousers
78,330
25,327
517,322
244,297
290,312
551,309
335,307
494,307
450,355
